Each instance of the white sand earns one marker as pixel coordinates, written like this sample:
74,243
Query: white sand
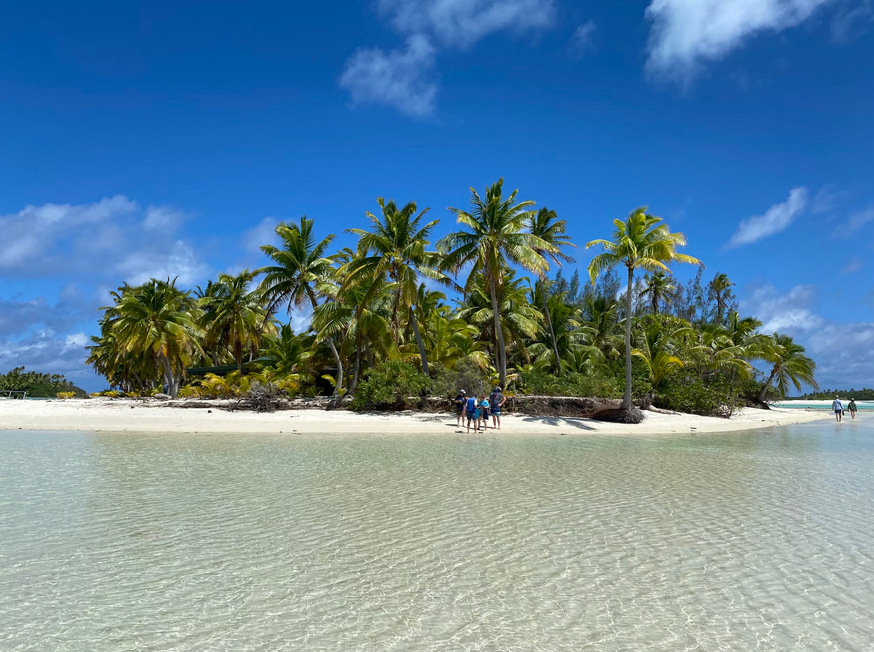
120,415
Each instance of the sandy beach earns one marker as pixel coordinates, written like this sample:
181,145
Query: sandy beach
106,415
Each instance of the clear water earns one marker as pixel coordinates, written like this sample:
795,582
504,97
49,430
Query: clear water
862,405
752,541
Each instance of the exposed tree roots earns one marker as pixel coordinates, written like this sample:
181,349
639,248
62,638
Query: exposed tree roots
619,415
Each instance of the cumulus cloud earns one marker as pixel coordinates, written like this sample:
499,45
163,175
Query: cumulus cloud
49,352
400,78
776,219
843,352
686,34
462,23
404,78
61,250
69,239
582,41
791,312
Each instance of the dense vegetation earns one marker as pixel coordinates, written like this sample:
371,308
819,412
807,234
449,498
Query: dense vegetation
37,385
381,330
858,394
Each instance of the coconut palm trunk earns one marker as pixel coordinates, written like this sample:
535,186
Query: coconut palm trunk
551,331
626,398
419,342
501,353
767,385
339,381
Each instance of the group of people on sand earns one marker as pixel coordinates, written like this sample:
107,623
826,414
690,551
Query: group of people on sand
839,409
476,412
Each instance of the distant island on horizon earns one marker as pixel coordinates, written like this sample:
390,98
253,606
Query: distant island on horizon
858,394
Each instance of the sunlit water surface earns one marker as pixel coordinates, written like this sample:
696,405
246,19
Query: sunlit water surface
751,541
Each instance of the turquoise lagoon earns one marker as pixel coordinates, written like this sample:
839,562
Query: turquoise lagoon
762,540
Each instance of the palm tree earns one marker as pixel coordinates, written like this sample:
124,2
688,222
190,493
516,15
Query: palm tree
545,225
642,241
790,365
658,286
233,315
494,238
657,348
720,286
519,319
300,265
395,248
157,319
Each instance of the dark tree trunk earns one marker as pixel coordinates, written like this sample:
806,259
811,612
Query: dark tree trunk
551,330
626,398
419,342
499,335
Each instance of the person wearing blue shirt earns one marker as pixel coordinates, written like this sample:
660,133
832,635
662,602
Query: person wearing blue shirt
838,407
471,413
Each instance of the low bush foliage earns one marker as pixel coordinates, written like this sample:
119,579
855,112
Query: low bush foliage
388,385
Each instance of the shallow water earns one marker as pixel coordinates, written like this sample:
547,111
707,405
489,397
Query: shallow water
749,541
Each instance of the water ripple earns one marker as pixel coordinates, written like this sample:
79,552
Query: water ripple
184,543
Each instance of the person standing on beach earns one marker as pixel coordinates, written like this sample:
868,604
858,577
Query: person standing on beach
470,413
484,411
458,401
497,401
838,407
851,406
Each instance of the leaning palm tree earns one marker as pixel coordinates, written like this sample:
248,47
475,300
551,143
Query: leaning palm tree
395,249
790,366
658,286
642,241
494,238
298,268
545,225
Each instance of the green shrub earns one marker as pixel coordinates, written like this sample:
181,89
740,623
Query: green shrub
541,383
387,386
688,393
65,395
465,375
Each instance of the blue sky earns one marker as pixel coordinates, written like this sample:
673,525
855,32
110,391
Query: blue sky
167,138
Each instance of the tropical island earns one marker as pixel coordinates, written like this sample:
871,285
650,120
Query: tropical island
21,383
384,333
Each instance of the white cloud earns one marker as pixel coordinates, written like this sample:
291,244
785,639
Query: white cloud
112,236
581,42
175,260
163,218
404,78
776,219
789,312
48,352
688,33
398,78
843,352
856,221
262,234
462,23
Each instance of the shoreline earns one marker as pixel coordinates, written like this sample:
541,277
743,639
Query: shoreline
132,416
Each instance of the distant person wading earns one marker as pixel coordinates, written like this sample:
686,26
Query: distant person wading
838,407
